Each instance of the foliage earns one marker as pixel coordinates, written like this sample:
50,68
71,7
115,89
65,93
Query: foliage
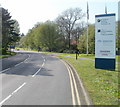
67,22
44,35
10,30
91,40
65,34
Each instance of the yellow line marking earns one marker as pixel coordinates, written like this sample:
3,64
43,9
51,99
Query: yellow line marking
76,90
72,89
83,89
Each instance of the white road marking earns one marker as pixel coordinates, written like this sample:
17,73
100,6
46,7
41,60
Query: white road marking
43,57
43,64
39,69
5,70
36,73
5,99
27,58
18,64
12,93
15,65
19,88
44,60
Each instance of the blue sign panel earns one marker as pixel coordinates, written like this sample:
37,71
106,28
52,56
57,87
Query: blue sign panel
12,47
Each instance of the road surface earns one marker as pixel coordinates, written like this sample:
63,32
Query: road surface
32,78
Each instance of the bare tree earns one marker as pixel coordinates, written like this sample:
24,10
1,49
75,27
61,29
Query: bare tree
67,20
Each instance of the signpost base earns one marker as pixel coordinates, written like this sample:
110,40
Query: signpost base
104,63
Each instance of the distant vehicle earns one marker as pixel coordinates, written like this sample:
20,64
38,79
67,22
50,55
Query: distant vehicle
18,49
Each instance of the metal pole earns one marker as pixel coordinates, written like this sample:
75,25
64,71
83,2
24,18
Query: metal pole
87,28
76,45
87,38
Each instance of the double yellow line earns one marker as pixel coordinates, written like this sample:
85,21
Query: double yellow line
74,89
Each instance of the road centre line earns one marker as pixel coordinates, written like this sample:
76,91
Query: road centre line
36,72
19,88
27,58
5,70
5,100
12,93
43,57
18,64
15,65
43,64
40,68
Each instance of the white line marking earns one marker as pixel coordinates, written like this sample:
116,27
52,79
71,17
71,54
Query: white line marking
27,58
5,70
18,64
36,73
43,57
44,60
12,93
15,65
43,64
5,99
19,88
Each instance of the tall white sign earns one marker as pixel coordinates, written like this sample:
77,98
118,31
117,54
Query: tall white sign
105,36
105,41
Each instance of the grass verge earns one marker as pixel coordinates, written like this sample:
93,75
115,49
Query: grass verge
102,85
8,54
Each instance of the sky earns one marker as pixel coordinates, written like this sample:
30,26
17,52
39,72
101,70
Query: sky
29,12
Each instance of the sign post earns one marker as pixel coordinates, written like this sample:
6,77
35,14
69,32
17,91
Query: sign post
105,41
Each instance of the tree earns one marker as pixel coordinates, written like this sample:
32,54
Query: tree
5,29
44,36
0,30
9,33
67,20
14,32
91,40
50,36
82,44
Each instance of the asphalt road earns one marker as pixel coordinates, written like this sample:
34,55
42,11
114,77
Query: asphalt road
35,79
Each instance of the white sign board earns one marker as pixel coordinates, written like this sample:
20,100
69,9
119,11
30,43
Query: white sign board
105,36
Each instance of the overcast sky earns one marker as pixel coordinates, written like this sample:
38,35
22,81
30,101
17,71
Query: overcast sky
29,12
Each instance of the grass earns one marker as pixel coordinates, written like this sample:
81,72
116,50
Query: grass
7,54
81,55
102,85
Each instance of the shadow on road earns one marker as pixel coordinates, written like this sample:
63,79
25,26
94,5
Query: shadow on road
26,68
